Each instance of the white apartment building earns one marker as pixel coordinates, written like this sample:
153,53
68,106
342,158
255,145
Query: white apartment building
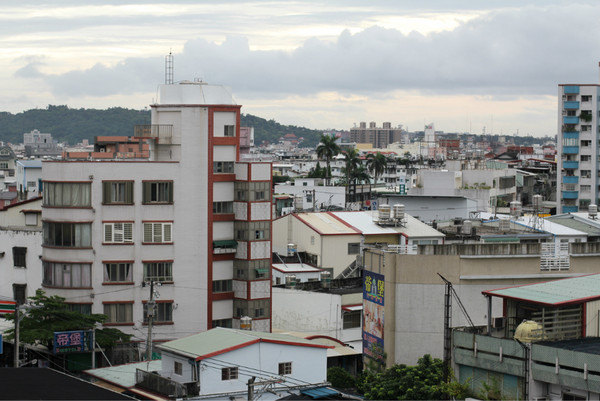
577,161
191,217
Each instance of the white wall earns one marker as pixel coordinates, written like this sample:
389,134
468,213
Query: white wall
32,274
309,365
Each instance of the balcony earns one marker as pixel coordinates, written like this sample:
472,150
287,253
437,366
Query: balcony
570,194
570,135
571,90
571,105
225,246
570,120
161,132
571,164
570,150
570,179
570,209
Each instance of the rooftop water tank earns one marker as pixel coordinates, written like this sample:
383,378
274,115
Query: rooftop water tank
528,331
592,211
515,209
384,212
399,211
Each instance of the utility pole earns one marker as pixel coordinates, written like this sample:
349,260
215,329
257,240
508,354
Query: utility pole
150,313
16,350
251,388
314,200
94,347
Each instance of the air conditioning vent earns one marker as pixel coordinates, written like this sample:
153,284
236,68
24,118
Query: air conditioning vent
498,322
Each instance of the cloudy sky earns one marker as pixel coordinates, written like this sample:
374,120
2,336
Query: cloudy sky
462,64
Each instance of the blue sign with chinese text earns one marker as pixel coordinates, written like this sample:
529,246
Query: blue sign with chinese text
73,341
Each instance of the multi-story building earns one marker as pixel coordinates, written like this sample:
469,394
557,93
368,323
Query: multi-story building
189,217
40,144
379,137
577,161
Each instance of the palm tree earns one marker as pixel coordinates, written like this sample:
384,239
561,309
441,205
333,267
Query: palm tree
361,175
376,164
352,162
327,149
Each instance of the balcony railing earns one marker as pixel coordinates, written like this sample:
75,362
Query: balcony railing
570,194
570,150
571,105
570,120
570,179
571,90
571,164
162,132
570,209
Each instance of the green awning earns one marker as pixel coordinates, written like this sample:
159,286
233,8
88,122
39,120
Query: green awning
227,243
501,239
262,270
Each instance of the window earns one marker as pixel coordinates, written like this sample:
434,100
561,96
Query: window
585,128
31,218
117,192
158,271
85,309
251,269
222,207
569,142
260,191
67,275
257,308
20,293
586,173
222,286
352,319
72,235
157,192
586,143
255,230
223,167
585,158
259,312
228,323
118,313
354,248
118,233
31,184
285,368
163,312
177,368
19,256
229,373
229,130
585,188
312,239
586,98
118,272
3,165
156,233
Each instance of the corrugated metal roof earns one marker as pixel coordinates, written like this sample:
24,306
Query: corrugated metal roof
576,224
295,268
220,340
565,291
326,224
364,222
124,375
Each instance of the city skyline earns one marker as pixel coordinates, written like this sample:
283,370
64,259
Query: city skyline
463,66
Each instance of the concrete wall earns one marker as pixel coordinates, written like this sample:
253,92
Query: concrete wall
30,238
432,208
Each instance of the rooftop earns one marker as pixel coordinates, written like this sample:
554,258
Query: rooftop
326,224
123,375
573,290
194,93
221,340
363,222
589,345
30,163
295,268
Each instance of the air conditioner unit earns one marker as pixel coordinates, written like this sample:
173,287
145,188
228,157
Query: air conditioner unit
498,322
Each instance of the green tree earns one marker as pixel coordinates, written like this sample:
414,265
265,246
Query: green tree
340,377
327,149
421,382
50,314
351,164
376,164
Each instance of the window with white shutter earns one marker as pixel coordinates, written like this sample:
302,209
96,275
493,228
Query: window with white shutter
118,233
158,232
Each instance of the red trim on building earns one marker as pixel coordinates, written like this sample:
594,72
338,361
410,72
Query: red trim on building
224,217
327,338
222,256
224,350
344,222
220,177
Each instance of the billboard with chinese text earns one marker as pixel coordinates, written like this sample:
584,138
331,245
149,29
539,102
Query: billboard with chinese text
373,315
73,341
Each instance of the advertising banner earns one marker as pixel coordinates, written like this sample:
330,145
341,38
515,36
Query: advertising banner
72,341
373,315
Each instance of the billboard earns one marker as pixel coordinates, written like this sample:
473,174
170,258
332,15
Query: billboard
373,315
73,341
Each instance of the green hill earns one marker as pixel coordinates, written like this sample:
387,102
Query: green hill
72,125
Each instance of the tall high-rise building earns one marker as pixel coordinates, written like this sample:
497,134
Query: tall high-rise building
578,141
190,216
378,137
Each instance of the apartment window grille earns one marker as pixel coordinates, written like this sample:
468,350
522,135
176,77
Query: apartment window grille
569,142
19,256
118,312
67,275
352,319
354,248
157,192
156,233
177,368
20,293
285,368
586,143
158,271
585,158
118,233
255,230
230,373
68,235
227,323
223,167
257,308
222,286
118,272
585,128
585,188
229,130
117,192
222,207
163,312
586,98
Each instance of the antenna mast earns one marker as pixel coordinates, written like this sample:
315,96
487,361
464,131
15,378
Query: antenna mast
169,69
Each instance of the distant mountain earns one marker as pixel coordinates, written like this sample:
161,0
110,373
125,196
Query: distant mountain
73,125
